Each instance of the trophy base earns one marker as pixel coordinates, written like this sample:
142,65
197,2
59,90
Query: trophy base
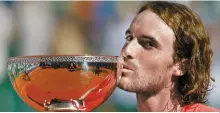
64,105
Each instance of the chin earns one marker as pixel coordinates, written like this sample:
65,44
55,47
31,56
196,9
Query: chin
128,89
123,83
127,85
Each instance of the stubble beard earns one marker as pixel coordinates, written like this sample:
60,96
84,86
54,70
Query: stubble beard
139,85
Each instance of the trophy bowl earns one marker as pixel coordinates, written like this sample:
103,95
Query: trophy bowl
64,82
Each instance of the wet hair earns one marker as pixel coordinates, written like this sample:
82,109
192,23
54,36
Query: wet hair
192,48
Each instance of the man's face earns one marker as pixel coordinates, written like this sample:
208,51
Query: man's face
148,54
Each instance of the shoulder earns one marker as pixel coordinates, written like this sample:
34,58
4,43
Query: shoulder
198,107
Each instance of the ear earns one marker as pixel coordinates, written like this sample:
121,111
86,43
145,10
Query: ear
179,68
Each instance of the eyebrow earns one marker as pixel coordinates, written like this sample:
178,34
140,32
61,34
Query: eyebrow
145,37
127,32
148,37
151,39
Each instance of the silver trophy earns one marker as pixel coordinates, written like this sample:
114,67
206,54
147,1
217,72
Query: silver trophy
64,82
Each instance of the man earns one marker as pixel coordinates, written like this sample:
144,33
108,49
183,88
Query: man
167,59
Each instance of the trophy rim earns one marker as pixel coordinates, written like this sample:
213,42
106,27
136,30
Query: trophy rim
64,58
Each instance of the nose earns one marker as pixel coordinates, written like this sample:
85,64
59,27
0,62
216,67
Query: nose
130,50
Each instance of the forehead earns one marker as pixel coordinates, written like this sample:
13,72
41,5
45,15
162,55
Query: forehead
149,23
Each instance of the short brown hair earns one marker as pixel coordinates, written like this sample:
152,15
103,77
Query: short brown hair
192,44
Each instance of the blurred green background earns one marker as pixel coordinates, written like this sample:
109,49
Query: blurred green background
92,27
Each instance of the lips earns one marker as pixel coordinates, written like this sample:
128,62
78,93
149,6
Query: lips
127,70
126,66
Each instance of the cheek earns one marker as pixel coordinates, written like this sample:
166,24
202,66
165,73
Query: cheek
149,60
154,62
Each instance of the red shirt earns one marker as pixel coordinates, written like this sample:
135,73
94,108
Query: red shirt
197,107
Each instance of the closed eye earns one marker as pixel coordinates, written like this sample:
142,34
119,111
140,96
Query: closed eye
147,42
128,35
128,38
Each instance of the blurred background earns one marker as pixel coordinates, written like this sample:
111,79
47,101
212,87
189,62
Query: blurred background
93,27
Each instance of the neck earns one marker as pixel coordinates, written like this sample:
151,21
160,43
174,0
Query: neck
161,102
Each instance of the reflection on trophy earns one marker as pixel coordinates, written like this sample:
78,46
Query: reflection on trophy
64,83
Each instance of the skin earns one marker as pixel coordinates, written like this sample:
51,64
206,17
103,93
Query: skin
149,68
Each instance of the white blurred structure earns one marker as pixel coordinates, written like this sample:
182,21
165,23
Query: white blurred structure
6,27
37,25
